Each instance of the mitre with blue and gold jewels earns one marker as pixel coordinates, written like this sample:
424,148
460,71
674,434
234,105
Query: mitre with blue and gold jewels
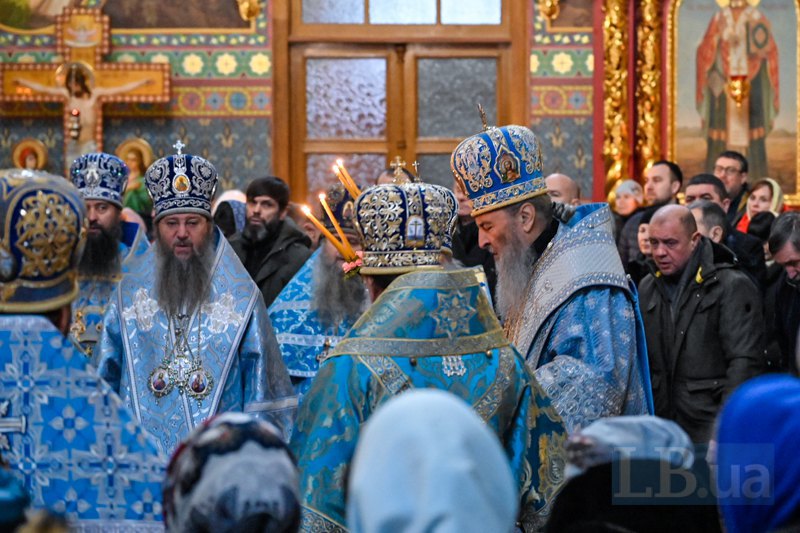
405,226
102,177
499,167
579,325
181,183
174,371
63,432
43,230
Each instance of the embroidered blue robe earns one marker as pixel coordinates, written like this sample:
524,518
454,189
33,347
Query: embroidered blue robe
581,327
303,340
69,438
230,332
90,305
428,329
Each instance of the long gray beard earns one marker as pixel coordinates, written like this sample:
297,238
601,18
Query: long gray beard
182,285
335,298
101,254
514,270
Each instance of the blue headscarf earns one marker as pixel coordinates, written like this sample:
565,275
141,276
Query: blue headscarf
758,438
427,462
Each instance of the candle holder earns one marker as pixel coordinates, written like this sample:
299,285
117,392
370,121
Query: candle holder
549,9
739,89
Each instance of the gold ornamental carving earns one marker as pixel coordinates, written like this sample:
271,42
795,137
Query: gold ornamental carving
615,92
549,9
649,67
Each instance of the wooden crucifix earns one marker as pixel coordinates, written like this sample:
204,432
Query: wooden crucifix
82,82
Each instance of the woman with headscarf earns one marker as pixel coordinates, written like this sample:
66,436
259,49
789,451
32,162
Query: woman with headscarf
233,474
758,469
230,212
426,462
765,196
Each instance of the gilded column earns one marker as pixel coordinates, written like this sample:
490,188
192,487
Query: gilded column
648,85
616,151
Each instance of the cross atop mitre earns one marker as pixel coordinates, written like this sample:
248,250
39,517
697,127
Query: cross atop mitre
81,81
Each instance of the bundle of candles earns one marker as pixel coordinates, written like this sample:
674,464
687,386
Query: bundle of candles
342,244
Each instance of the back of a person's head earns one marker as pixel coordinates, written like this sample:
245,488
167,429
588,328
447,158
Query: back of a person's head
632,495
425,461
233,474
758,469
271,186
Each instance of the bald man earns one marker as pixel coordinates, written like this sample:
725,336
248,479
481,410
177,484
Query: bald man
564,189
703,323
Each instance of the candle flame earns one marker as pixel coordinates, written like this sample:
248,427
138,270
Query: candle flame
306,210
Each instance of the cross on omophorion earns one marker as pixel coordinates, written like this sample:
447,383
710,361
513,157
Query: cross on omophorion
11,424
82,81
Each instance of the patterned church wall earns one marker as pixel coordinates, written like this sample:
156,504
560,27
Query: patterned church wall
221,103
561,70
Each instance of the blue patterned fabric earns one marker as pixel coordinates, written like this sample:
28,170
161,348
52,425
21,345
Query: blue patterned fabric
429,329
581,328
302,338
100,176
498,167
81,452
42,216
231,333
181,183
90,305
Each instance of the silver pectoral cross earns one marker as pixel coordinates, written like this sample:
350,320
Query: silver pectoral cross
11,424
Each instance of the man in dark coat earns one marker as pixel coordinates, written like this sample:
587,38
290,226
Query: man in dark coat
703,322
271,246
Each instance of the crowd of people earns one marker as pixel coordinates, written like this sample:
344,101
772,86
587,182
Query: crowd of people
498,356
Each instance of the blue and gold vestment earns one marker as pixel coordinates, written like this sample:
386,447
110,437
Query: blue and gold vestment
581,328
90,305
69,438
303,340
433,328
230,332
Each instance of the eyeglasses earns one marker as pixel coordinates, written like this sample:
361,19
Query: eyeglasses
728,171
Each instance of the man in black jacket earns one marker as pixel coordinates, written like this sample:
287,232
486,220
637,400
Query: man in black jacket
748,249
271,246
703,322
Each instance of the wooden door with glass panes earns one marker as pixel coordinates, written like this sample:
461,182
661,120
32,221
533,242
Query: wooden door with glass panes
374,79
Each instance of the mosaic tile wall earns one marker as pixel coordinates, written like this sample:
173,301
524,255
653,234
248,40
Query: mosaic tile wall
561,71
221,94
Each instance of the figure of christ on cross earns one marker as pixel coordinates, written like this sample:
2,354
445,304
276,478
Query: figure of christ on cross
80,94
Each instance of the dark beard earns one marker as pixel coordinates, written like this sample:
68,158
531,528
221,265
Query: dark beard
335,298
101,254
260,233
182,285
514,270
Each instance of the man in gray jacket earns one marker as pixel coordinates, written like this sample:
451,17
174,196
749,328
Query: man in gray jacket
703,322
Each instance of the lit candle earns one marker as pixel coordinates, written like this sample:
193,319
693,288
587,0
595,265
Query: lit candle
348,177
347,185
328,235
350,255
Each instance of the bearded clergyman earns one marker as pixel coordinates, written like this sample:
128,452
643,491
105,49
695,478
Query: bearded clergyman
320,304
186,334
111,243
